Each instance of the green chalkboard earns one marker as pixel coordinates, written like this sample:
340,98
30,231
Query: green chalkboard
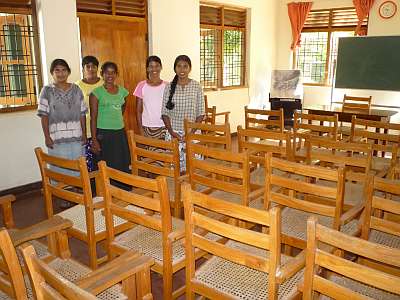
369,63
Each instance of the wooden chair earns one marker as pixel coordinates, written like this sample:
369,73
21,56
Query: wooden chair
257,143
163,161
6,210
11,285
356,105
249,265
224,175
59,273
382,213
264,119
306,125
355,157
296,189
86,216
337,278
156,233
211,114
217,136
384,139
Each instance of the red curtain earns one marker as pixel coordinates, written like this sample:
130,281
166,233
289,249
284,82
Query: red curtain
362,9
298,13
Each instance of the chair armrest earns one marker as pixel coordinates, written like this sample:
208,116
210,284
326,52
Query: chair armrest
352,213
39,230
177,234
183,178
257,193
122,267
292,267
93,174
223,113
6,209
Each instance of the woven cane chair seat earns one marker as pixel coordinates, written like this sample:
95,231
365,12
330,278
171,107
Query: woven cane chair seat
149,242
380,163
241,282
383,238
234,198
294,223
77,216
363,289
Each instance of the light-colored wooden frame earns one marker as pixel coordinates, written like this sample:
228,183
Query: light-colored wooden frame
269,241
269,120
286,191
164,162
317,256
85,198
305,125
356,104
155,202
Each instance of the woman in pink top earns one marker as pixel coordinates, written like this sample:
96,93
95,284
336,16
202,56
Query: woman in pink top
149,97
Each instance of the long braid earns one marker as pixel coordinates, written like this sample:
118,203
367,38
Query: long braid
170,105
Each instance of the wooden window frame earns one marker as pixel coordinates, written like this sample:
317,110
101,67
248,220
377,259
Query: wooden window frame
220,46
329,29
27,7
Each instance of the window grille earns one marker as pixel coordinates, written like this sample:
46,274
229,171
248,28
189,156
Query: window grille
316,56
222,46
19,78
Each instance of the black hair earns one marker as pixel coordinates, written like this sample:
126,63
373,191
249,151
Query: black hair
59,62
151,58
89,59
170,105
108,65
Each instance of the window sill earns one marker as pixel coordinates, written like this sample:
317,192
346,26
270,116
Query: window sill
225,88
317,84
17,108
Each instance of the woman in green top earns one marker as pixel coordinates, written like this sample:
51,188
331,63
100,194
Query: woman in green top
107,104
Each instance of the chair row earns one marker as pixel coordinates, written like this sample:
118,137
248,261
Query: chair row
245,262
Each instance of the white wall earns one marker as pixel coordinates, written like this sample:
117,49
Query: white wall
178,32
322,95
21,132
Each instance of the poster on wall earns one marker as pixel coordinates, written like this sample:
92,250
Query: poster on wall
286,84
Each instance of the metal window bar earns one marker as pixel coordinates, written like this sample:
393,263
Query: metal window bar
18,68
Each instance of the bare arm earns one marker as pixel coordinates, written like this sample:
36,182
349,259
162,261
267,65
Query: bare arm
167,122
45,126
83,126
139,112
94,107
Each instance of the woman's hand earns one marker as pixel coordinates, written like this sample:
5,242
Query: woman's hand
84,140
49,142
95,146
175,135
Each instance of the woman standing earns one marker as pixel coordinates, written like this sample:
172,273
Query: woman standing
63,115
107,104
149,97
90,81
183,99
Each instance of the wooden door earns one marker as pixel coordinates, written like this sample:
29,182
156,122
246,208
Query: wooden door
123,41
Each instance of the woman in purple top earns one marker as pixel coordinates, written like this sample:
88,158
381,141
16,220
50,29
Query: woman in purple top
149,97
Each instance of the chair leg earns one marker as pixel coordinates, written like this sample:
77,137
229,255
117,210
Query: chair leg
92,255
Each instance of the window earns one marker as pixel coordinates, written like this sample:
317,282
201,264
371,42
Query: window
316,56
19,75
222,47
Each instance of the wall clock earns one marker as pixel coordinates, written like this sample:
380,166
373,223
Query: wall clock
387,9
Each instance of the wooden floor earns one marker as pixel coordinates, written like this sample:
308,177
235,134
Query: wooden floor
29,209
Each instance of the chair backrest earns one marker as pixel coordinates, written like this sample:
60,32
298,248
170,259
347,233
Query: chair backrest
12,280
356,104
194,201
55,181
296,185
356,157
384,137
258,142
221,170
143,206
218,136
211,112
381,202
319,125
319,261
47,283
264,119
